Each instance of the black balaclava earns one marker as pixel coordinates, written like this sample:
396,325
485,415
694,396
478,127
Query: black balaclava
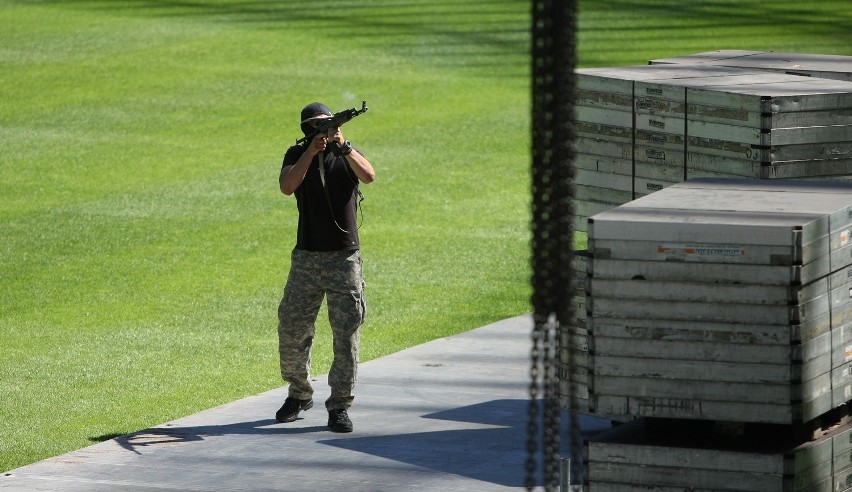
310,111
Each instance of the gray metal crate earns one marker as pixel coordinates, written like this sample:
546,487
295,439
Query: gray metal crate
781,94
620,79
585,193
720,312
641,456
687,120
712,162
828,201
754,116
603,164
610,123
605,180
605,125
574,345
723,300
816,65
746,212
811,258
682,271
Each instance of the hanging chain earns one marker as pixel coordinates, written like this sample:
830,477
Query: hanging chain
553,135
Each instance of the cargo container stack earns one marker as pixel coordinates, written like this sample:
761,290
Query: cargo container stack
642,128
574,344
781,126
719,310
837,67
726,352
607,158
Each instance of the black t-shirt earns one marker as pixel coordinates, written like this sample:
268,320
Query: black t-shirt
324,228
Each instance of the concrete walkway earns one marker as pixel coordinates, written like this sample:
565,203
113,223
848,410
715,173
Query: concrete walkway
448,415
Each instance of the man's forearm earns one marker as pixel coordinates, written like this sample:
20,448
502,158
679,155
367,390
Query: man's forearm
361,166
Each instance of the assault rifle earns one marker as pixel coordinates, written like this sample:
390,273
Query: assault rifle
326,124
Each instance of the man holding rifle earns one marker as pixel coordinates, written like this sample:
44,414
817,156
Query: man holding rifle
323,170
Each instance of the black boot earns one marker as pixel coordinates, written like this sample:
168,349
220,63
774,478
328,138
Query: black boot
338,420
291,408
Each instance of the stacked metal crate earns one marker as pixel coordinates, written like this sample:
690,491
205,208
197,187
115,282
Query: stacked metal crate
605,123
836,67
740,285
643,128
773,129
721,303
720,300
803,129
639,456
573,364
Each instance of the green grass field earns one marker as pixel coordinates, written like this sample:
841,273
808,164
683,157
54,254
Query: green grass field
144,241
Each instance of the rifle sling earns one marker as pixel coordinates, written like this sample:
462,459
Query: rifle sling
321,165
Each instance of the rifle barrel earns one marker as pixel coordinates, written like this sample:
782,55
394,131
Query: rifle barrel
338,119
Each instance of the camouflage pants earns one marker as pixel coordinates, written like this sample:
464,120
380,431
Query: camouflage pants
336,276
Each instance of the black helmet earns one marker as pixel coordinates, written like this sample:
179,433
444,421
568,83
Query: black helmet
311,110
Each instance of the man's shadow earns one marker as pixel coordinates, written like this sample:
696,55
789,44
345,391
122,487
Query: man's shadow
158,436
495,453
